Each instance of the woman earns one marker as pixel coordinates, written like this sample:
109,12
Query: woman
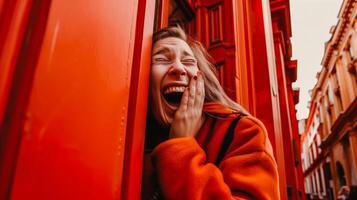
200,144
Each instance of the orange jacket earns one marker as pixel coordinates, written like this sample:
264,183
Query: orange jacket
185,167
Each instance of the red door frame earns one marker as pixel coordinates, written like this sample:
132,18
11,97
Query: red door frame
135,137
266,84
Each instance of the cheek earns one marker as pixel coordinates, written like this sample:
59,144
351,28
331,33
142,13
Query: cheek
192,71
156,76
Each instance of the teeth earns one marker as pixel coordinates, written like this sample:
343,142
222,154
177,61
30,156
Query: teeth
174,89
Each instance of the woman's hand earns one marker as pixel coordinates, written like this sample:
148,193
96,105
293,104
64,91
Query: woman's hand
188,118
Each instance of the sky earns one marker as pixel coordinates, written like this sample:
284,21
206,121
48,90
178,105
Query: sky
311,23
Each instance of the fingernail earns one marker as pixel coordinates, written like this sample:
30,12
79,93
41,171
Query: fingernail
200,73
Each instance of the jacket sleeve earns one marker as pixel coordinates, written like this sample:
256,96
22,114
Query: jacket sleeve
248,170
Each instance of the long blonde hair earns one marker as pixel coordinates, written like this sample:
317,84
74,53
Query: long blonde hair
213,90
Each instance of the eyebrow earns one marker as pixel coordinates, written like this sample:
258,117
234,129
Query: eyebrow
162,50
185,53
165,50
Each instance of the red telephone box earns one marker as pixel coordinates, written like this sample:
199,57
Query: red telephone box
73,97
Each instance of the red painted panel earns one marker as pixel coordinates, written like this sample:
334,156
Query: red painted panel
286,124
73,140
265,81
139,92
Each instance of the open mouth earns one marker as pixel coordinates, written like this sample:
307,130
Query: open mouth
173,98
173,95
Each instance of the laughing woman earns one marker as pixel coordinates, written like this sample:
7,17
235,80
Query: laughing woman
200,144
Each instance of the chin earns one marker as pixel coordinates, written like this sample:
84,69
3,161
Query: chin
166,115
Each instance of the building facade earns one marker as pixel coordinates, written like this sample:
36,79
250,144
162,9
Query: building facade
252,53
74,87
329,142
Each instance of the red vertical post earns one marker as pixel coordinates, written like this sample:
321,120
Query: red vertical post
139,87
286,120
265,81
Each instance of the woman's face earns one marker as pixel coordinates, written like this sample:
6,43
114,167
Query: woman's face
173,66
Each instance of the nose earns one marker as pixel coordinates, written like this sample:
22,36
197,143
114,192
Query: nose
177,69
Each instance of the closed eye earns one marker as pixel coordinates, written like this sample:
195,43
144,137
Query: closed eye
189,61
161,60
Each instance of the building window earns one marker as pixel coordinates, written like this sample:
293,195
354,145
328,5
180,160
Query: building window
314,152
329,109
329,94
350,52
328,179
307,185
327,171
174,12
349,49
216,24
340,175
319,180
352,62
220,72
314,188
353,73
322,112
336,91
318,139
322,180
310,154
181,13
295,151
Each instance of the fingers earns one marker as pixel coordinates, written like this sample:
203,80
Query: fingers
188,117
200,91
193,96
184,100
192,92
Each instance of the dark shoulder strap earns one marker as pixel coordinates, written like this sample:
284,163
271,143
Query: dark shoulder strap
227,140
